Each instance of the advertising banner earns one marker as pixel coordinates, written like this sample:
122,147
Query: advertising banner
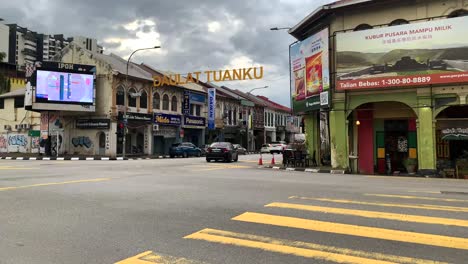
211,108
194,121
309,65
423,53
166,119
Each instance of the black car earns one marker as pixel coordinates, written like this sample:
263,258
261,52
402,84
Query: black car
240,150
223,151
185,150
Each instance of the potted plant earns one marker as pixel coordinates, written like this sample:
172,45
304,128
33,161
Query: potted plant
410,165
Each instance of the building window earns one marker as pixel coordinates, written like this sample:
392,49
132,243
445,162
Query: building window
174,104
144,99
120,96
165,102
198,110
362,27
131,99
156,101
19,102
2,103
458,13
398,22
235,116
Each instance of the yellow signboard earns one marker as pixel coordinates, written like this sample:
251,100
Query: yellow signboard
253,73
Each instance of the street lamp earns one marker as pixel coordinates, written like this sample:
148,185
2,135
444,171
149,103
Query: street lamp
125,99
250,93
280,28
264,87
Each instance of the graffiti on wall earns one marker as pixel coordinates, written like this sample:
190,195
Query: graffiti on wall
3,142
14,143
82,142
17,140
35,142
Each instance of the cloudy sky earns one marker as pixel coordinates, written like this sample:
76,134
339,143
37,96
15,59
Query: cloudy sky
194,35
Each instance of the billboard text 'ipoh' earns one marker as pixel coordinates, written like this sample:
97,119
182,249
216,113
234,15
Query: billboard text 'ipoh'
416,54
309,72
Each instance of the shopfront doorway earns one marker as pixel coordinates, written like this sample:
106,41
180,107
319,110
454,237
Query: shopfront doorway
452,142
383,138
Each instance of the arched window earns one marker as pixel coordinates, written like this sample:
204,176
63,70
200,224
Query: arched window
174,104
156,101
362,27
120,97
165,102
131,99
458,13
398,22
144,99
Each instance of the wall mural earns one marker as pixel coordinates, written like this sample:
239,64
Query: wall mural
85,142
35,142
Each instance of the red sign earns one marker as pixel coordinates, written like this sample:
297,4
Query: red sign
403,81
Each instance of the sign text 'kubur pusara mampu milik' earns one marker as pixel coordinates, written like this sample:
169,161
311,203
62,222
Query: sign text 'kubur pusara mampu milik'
253,73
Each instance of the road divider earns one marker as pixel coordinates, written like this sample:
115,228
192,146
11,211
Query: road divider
52,183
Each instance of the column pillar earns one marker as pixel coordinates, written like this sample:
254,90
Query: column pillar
426,140
338,138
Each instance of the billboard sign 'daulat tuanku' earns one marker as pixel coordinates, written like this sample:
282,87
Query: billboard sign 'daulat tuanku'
309,66
416,54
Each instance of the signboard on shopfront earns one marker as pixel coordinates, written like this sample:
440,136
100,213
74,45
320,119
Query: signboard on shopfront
453,129
92,123
194,121
140,117
416,54
186,103
309,66
168,120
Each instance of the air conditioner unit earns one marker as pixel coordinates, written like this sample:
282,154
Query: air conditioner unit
26,126
18,127
7,127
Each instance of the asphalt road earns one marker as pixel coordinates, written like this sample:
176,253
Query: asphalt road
188,211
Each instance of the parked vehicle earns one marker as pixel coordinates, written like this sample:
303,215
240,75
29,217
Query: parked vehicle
185,149
240,149
265,148
223,151
277,147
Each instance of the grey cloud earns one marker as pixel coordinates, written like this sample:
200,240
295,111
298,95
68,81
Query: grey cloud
182,26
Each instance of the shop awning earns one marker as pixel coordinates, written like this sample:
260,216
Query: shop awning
455,137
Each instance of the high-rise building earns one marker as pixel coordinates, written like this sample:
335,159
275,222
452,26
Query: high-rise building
25,46
4,43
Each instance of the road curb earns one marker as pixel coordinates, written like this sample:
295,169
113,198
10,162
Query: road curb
82,158
307,170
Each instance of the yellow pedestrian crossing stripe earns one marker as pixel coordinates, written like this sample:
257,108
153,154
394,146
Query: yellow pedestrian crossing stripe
354,230
150,257
412,206
302,249
416,197
374,214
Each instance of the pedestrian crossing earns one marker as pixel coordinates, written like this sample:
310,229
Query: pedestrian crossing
307,215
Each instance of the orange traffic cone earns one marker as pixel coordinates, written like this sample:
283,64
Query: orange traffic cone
273,160
260,160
